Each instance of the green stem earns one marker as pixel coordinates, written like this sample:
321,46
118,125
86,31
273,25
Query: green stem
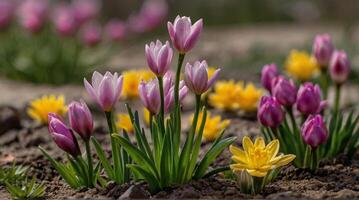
324,81
176,95
337,99
257,185
314,164
89,162
307,157
162,110
300,144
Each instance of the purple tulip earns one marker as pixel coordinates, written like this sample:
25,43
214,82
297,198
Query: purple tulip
309,99
314,131
64,20
91,34
183,34
269,72
196,77
105,90
150,95
339,67
33,14
159,57
270,113
116,30
86,10
7,11
284,91
323,49
63,136
81,119
169,92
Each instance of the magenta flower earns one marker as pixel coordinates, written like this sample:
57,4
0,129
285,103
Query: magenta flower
64,20
86,10
284,91
183,34
33,14
91,34
150,95
270,113
169,92
81,119
339,67
7,8
314,131
196,77
63,136
323,49
309,99
116,30
159,57
269,72
105,90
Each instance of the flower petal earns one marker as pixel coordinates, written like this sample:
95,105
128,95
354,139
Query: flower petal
247,144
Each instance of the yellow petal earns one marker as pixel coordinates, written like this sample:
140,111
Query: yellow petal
238,166
236,151
247,144
273,148
282,160
259,143
256,173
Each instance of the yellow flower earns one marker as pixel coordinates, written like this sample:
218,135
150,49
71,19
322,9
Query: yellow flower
301,65
41,107
213,127
257,159
124,122
225,96
249,97
131,80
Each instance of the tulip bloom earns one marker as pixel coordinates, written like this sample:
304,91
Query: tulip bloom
33,14
63,136
314,131
339,67
323,49
196,77
269,72
183,34
270,113
309,99
150,95
284,91
105,89
7,12
65,21
159,57
116,30
81,119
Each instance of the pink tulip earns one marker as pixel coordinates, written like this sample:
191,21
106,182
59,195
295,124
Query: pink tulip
64,20
284,91
63,136
7,8
105,89
269,72
339,67
116,30
150,95
159,57
91,34
183,34
196,77
33,14
86,10
323,49
81,119
169,92
314,131
309,99
270,113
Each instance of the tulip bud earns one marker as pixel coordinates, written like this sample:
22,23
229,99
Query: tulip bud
105,89
323,49
150,95
81,119
309,99
63,136
33,14
284,91
159,57
196,77
314,131
116,30
269,72
183,34
270,113
339,67
86,10
7,12
91,34
64,20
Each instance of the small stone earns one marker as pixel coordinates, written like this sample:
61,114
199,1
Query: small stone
135,192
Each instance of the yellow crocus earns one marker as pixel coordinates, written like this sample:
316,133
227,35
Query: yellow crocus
124,122
249,97
131,81
41,107
301,65
225,96
213,127
258,159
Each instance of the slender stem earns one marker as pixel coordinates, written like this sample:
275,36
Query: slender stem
162,110
307,157
314,164
324,81
114,148
337,99
176,91
89,162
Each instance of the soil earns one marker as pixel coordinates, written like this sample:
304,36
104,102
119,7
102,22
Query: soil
19,142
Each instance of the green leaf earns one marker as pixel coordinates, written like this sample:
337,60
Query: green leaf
152,181
102,157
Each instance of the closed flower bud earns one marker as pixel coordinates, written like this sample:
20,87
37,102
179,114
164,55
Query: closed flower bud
7,8
150,95
63,136
33,14
116,30
105,89
309,99
159,57
183,34
269,72
270,113
339,67
284,91
81,119
91,34
314,131
64,20
323,49
196,77
86,10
